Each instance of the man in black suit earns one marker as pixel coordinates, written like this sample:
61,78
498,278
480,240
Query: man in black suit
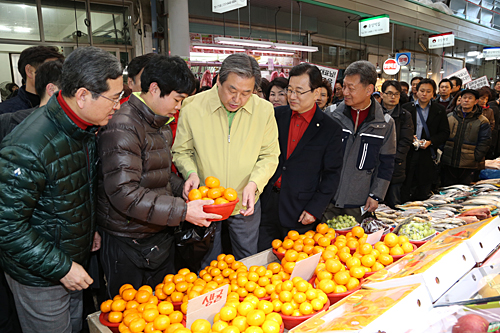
421,169
309,164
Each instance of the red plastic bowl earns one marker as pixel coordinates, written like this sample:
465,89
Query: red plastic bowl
290,321
177,306
266,298
279,255
420,243
343,232
396,258
335,297
224,209
103,318
367,274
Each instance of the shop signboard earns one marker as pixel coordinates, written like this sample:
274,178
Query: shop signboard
462,74
376,25
491,52
441,40
391,67
478,83
403,59
222,6
328,73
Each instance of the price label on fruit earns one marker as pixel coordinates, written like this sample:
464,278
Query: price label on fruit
305,268
207,305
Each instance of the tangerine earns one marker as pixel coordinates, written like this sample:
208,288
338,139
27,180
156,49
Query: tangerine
194,194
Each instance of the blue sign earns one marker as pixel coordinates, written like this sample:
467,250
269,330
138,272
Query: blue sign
403,59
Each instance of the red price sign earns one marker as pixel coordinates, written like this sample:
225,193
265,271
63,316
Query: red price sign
213,297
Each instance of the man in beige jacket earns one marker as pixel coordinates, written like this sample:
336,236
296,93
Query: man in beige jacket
230,133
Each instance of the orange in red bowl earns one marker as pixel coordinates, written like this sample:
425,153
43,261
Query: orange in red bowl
224,209
103,318
279,255
397,257
291,321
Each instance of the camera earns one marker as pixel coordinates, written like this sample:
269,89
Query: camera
418,143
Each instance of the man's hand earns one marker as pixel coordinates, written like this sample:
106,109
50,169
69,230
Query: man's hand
96,244
306,218
371,205
77,278
197,216
193,181
427,144
248,199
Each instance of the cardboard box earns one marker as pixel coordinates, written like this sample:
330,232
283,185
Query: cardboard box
95,325
437,266
481,237
389,310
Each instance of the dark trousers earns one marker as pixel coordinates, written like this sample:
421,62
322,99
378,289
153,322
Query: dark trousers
417,185
9,322
452,176
119,268
393,195
270,224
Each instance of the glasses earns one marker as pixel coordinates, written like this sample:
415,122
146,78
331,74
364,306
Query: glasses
297,93
116,102
390,94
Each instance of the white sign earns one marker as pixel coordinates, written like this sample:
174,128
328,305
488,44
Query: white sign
222,6
478,83
305,268
462,74
493,52
442,40
207,305
374,26
391,67
375,237
328,73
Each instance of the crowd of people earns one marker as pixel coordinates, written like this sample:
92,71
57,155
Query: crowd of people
95,173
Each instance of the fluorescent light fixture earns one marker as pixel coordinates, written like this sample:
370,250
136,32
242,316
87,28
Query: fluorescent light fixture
23,6
22,29
442,70
429,73
217,47
473,53
302,48
273,52
243,42
4,28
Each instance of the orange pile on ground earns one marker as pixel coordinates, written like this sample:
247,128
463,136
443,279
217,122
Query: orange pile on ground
213,191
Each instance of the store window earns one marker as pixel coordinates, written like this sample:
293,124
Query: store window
19,20
348,56
326,55
59,21
108,25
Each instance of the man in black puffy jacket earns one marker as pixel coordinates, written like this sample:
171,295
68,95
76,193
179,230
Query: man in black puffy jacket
140,200
48,193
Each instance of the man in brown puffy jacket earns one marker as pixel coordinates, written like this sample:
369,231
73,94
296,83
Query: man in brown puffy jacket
139,198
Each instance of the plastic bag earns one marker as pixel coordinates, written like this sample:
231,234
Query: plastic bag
191,244
489,174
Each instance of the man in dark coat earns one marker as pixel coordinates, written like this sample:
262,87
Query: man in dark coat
29,60
421,169
391,92
310,162
48,196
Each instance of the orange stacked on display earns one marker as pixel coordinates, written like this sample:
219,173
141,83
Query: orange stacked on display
213,191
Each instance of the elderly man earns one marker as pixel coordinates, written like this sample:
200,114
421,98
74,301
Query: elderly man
48,193
369,142
310,161
230,133
137,209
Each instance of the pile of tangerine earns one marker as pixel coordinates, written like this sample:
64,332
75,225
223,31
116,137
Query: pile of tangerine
213,191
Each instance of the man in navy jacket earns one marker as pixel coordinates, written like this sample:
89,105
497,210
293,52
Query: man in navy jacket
309,164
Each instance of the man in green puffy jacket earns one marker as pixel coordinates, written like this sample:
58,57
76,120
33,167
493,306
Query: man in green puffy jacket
48,193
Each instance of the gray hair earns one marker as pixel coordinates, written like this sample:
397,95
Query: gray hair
366,71
242,65
89,67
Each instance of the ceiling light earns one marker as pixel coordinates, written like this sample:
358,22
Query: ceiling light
273,52
430,72
22,29
4,28
473,53
378,69
243,42
302,48
217,47
442,70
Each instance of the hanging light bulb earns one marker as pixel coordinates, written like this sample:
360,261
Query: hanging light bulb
378,69
442,70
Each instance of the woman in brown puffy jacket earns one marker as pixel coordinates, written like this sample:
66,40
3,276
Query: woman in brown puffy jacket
484,98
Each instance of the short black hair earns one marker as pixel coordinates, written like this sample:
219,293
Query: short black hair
496,82
416,78
90,68
392,83
279,82
444,81
328,86
404,84
427,81
264,86
458,81
35,56
312,71
137,64
170,73
341,82
11,86
48,72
